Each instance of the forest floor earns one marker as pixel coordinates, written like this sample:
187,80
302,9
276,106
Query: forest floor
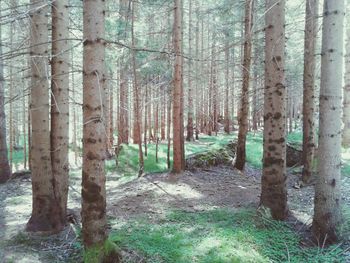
206,215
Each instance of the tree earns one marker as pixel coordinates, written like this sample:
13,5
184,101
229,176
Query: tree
178,126
274,191
243,116
137,103
123,124
327,215
309,87
190,91
45,212
60,104
346,102
5,170
94,221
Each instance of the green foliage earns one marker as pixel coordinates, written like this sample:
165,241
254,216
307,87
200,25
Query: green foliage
218,236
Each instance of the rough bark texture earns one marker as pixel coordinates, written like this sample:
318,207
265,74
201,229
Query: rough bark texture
45,211
309,88
5,171
93,213
123,125
60,104
346,102
190,90
178,129
327,190
243,116
274,191
137,109
227,85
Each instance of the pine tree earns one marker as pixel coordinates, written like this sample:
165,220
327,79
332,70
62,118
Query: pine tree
274,191
327,210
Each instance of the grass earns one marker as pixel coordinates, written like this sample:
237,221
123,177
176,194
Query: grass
218,236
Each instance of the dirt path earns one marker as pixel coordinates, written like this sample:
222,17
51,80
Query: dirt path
152,196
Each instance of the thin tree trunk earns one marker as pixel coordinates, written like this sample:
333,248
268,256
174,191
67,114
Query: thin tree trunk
5,170
146,124
227,85
243,116
137,121
190,91
123,124
346,101
309,88
60,104
327,209
178,129
169,126
274,191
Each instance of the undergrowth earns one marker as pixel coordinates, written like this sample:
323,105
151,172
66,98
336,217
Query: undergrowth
218,236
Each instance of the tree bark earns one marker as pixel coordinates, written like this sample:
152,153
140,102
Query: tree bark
93,212
346,101
123,125
190,91
178,129
60,104
274,191
137,109
45,211
309,88
327,210
5,170
243,116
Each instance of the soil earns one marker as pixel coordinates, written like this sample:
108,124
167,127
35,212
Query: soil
151,196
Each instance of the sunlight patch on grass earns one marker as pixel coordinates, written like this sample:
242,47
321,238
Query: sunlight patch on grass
218,236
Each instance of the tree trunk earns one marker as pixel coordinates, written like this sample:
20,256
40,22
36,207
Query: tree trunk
274,191
309,88
46,214
137,109
178,129
146,124
123,125
227,85
94,222
60,104
190,91
346,101
327,214
243,116
5,170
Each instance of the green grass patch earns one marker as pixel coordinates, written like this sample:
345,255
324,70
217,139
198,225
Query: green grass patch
129,162
218,236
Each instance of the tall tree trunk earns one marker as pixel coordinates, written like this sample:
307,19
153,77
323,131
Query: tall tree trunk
309,87
168,131
137,109
346,102
75,131
190,91
243,116
274,191
178,129
5,170
94,221
60,104
145,120
163,117
327,214
46,215
227,84
123,124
